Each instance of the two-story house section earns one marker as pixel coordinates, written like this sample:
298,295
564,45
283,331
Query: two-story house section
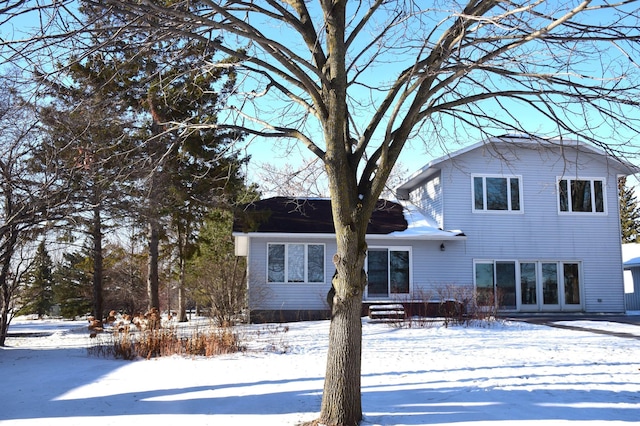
541,219
526,225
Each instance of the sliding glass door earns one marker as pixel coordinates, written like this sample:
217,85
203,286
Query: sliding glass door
388,272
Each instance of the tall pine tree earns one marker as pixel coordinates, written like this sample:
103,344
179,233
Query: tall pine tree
182,169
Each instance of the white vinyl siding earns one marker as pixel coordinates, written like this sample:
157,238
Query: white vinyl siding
266,295
428,199
539,232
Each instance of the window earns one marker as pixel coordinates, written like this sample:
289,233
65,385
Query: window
492,193
295,263
387,272
581,195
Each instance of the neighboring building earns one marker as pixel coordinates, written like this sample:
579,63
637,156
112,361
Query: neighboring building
631,259
532,225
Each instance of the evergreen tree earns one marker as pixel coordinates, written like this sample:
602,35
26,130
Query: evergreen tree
94,153
38,295
629,213
181,171
73,289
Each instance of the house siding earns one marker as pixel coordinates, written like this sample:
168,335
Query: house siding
286,296
538,232
439,269
428,199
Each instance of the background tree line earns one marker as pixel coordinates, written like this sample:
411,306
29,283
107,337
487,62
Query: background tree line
132,208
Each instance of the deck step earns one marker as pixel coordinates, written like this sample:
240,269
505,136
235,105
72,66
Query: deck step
386,313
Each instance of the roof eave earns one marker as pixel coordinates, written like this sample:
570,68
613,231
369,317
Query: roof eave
397,235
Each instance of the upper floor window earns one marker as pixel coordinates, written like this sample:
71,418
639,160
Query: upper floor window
497,193
295,263
581,195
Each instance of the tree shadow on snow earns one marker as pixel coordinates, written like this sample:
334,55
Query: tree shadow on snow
33,389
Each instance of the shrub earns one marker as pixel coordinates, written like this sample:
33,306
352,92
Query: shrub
153,343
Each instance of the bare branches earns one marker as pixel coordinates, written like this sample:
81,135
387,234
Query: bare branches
404,64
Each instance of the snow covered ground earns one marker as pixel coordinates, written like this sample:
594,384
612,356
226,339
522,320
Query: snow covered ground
506,373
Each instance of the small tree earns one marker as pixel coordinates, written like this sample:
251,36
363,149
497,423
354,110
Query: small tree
217,278
31,193
38,292
629,213
73,288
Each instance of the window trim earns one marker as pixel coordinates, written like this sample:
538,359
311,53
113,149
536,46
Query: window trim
592,181
305,263
484,209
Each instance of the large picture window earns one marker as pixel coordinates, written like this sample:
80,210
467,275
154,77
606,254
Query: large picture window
295,263
497,193
581,195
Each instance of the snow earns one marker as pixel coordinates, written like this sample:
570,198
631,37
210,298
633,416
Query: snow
418,225
503,372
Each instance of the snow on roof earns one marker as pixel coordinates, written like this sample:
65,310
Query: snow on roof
419,226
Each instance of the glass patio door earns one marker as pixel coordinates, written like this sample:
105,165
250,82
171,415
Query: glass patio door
550,286
496,284
387,272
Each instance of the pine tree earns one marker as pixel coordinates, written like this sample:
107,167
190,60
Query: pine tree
38,294
629,213
181,171
73,284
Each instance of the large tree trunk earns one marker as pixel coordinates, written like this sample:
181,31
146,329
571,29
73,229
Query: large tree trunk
341,400
96,234
153,235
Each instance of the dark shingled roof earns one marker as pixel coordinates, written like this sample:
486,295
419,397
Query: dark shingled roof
311,216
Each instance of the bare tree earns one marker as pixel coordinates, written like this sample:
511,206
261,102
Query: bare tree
30,192
354,81
309,179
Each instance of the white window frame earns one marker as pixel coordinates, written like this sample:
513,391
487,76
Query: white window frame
305,263
484,209
592,180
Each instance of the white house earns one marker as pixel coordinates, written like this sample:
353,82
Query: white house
531,225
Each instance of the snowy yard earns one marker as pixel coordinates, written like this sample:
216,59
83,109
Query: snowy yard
511,372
